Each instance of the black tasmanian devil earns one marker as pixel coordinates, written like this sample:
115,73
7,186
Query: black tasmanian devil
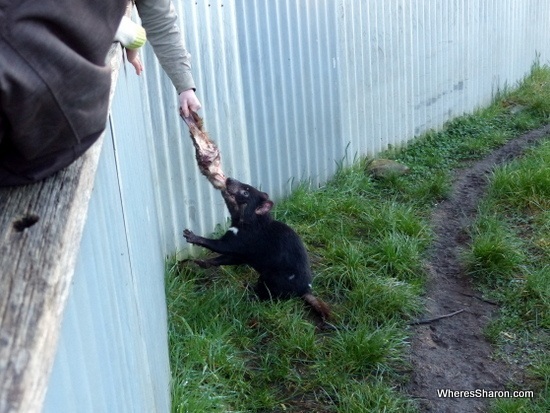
270,247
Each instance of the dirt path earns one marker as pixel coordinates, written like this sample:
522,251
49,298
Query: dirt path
452,353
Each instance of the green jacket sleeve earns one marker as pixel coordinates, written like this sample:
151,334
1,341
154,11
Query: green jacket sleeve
159,19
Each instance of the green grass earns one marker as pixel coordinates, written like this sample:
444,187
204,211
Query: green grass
367,240
510,260
367,268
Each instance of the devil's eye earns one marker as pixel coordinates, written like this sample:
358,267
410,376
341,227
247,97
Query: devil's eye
245,193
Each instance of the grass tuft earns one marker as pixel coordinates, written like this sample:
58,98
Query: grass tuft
495,255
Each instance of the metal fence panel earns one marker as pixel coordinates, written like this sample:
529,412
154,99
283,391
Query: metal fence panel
291,88
113,349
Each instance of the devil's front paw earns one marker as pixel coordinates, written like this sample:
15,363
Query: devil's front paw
190,236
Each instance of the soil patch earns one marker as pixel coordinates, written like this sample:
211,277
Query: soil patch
452,353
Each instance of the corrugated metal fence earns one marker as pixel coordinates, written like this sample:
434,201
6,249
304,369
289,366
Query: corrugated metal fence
289,88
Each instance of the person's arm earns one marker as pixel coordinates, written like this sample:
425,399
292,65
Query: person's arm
160,22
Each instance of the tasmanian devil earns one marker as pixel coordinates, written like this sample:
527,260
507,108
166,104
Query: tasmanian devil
271,247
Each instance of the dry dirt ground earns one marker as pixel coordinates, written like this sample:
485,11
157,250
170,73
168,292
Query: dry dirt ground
452,353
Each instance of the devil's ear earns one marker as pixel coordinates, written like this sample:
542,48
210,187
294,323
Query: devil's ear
264,208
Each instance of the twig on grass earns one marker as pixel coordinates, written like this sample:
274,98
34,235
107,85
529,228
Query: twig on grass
477,298
430,320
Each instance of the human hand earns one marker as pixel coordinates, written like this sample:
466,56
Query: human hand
188,101
133,57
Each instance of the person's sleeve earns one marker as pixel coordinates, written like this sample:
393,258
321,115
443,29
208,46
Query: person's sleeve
159,19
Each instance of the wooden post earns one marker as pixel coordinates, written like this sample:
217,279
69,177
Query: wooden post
40,231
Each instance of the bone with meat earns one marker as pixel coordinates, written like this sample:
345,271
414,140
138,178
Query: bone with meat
206,151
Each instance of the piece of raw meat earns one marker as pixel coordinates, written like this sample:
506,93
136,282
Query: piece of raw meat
206,151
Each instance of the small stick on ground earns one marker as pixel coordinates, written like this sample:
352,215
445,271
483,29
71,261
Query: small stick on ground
477,298
431,320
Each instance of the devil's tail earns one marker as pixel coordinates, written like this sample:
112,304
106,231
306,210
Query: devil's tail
318,305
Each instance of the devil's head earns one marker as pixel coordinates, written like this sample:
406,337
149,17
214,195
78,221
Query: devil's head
246,204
